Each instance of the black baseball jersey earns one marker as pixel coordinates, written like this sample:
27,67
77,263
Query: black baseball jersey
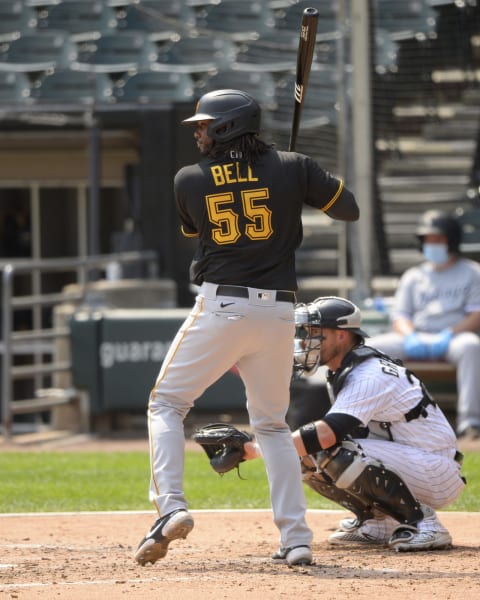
248,217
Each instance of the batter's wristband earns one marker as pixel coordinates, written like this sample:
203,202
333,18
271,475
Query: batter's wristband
310,440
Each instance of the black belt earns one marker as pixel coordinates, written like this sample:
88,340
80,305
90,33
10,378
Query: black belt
238,291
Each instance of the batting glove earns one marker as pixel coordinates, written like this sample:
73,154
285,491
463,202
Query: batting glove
439,346
414,347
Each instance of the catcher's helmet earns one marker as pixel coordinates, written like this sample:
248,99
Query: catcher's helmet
232,113
326,312
441,223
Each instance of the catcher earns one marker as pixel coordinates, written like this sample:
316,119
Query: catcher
384,450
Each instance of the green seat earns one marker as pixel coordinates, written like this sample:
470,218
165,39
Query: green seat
16,18
149,87
259,85
320,101
14,87
273,52
291,17
82,19
240,20
161,20
405,19
38,51
117,53
76,87
196,54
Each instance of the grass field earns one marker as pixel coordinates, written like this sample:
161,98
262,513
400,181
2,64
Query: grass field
87,481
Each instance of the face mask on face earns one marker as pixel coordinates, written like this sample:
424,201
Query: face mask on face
307,351
435,253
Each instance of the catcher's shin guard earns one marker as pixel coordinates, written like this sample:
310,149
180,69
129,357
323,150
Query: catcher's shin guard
353,503
318,482
368,479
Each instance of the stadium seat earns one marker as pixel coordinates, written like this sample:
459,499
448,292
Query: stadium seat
15,19
320,102
238,19
41,3
291,17
116,53
196,54
120,3
318,134
386,52
14,87
74,87
405,19
34,52
199,4
279,4
328,31
274,52
162,20
83,19
260,85
148,87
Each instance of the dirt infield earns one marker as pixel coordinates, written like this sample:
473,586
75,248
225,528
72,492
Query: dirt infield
226,556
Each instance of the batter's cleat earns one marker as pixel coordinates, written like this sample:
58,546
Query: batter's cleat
177,524
296,555
409,539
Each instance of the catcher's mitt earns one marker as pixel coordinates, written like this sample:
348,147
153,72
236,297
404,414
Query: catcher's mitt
223,445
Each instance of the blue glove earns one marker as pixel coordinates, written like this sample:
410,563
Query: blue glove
439,346
414,347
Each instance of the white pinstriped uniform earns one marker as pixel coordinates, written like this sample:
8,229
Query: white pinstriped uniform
422,451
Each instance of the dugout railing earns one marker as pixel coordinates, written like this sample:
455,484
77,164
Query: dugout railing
31,354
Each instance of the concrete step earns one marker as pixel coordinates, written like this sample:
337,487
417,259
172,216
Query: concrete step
428,165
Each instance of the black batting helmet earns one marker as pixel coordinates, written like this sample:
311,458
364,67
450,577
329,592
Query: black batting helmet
232,113
441,223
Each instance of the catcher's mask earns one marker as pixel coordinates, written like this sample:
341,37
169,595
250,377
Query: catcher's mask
327,312
232,113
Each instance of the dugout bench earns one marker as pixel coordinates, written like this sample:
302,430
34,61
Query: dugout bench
440,379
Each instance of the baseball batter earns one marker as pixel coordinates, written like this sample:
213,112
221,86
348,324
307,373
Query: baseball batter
243,202
437,313
384,449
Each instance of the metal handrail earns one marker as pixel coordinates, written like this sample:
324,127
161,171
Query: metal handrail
83,266
40,334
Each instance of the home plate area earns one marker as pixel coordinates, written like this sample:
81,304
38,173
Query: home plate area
227,555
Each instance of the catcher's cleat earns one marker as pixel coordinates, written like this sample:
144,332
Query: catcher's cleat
296,555
355,536
372,531
349,524
154,545
409,539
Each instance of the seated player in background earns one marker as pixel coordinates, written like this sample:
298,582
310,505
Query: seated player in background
436,314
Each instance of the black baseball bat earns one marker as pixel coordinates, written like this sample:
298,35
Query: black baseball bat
306,46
